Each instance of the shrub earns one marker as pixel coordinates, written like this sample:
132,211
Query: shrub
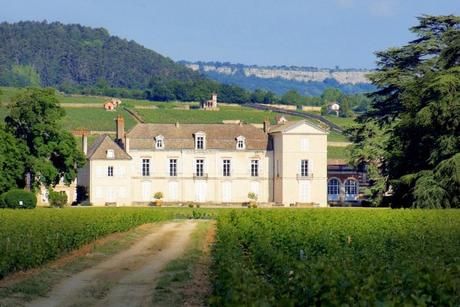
158,195
252,196
18,199
57,199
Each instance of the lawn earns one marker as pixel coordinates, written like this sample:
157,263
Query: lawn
247,115
334,136
341,121
334,152
95,119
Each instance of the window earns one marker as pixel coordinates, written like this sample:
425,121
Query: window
199,168
254,168
226,168
159,142
172,167
200,142
351,187
304,144
333,187
240,142
145,167
110,171
110,154
304,168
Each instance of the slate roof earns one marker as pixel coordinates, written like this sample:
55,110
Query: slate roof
218,136
98,151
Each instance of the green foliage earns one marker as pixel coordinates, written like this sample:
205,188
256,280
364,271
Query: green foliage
252,196
13,157
417,107
18,199
57,199
314,257
30,238
20,76
34,119
158,195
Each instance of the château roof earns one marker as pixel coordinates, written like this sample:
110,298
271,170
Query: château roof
98,151
218,136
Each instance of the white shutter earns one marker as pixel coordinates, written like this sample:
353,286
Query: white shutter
310,168
99,192
173,190
166,172
99,171
255,188
220,168
261,167
226,191
304,144
122,192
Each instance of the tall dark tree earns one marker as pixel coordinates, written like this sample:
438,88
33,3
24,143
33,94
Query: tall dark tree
34,119
417,108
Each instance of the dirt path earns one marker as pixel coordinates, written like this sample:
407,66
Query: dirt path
127,278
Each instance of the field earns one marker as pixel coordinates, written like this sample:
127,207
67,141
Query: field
200,116
337,257
262,257
94,119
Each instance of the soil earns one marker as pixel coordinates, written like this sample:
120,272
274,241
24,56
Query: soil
127,278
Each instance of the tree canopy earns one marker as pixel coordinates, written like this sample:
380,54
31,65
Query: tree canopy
34,120
417,110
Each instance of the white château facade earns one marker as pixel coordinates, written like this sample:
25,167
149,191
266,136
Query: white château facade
208,163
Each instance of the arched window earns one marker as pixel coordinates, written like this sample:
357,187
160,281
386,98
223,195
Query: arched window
351,189
333,188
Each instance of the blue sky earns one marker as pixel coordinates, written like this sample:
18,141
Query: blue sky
322,33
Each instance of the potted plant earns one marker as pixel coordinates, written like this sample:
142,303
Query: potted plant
252,200
158,199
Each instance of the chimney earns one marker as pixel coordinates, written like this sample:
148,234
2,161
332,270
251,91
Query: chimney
120,128
84,139
266,125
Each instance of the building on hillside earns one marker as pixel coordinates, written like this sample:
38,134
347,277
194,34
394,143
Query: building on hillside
333,107
344,182
112,104
212,163
210,104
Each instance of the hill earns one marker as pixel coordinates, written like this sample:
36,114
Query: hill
308,81
55,54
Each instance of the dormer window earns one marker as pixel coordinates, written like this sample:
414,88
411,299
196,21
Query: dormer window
240,142
200,140
110,154
159,142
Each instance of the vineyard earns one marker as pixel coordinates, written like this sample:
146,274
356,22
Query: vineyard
288,257
30,238
337,257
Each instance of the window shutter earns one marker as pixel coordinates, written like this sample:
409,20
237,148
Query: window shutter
179,167
310,167
261,167
99,171
220,168
304,144
166,172
249,167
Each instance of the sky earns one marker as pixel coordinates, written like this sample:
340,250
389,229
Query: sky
320,33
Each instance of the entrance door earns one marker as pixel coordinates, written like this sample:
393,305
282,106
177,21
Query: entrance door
146,191
304,191
200,191
226,191
111,195
173,190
